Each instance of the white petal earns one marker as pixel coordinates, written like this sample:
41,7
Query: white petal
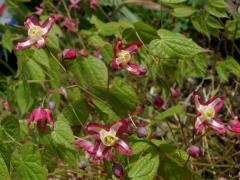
100,150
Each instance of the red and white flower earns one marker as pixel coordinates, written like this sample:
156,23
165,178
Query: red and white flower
234,124
37,34
122,58
206,113
74,4
107,137
42,117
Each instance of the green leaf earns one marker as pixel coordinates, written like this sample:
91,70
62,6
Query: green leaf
34,70
139,147
7,40
41,57
123,97
62,133
200,25
172,1
90,72
27,163
145,168
174,45
23,97
230,65
146,32
76,113
178,109
220,13
183,11
213,22
3,169
11,126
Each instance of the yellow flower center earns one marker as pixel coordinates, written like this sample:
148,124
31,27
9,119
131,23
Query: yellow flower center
109,140
123,57
35,32
209,113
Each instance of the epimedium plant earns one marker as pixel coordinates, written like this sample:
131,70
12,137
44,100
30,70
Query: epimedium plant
102,91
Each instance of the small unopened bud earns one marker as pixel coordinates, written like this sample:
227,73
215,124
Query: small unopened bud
117,170
51,105
69,54
175,92
194,151
141,132
83,52
82,165
158,102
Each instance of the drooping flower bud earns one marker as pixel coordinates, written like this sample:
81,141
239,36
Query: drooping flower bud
194,151
51,105
117,170
82,165
69,54
141,132
175,92
83,52
158,102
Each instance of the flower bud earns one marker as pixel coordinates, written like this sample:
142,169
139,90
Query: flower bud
175,92
194,151
117,170
141,132
83,52
82,165
51,105
69,54
158,102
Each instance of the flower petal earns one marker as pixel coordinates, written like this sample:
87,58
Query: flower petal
135,69
49,118
117,47
115,65
120,127
124,147
42,125
94,129
48,24
197,101
199,124
30,22
216,102
86,145
40,43
25,43
234,127
132,48
217,125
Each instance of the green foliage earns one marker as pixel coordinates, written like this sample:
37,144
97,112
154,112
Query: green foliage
27,163
173,45
3,169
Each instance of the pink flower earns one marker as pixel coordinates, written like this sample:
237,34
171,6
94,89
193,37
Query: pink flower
69,54
37,34
83,52
234,124
74,4
5,104
194,151
107,137
122,58
41,116
93,4
38,10
2,8
206,114
69,24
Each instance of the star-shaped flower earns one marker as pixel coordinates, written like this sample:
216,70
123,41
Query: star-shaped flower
122,58
37,34
206,114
